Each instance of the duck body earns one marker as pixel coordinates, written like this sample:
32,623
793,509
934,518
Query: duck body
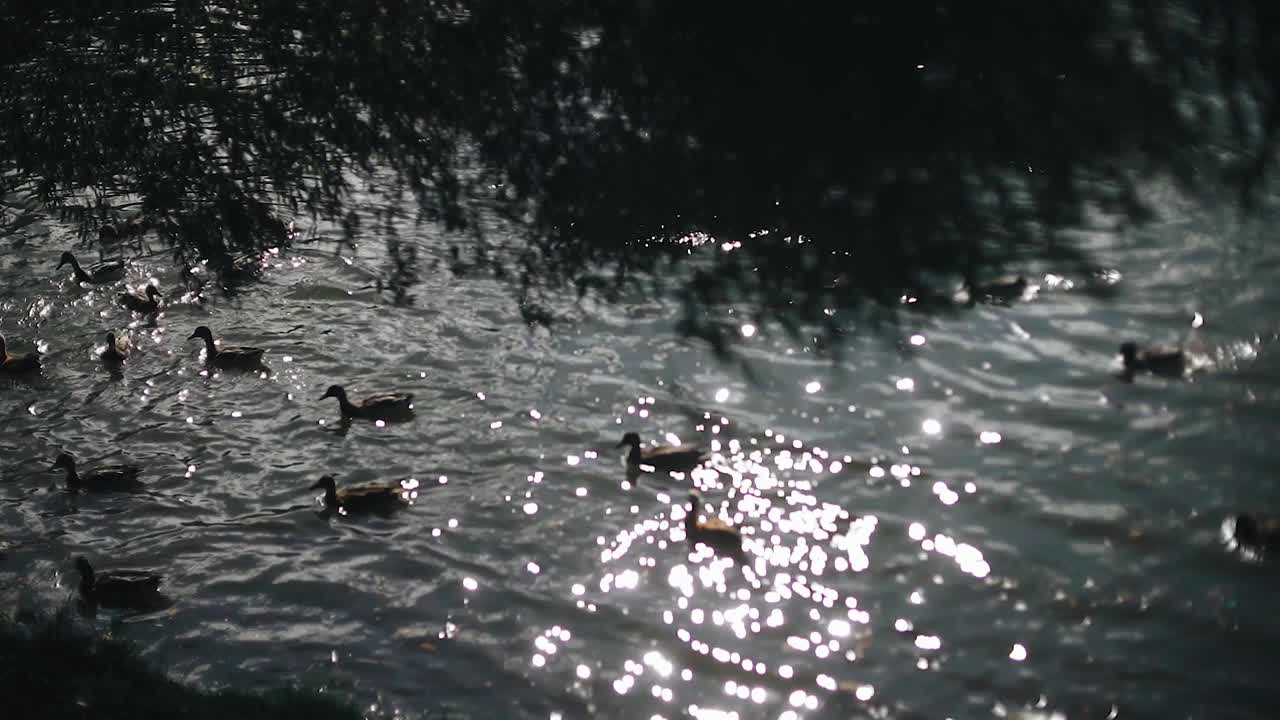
1156,359
99,274
375,407
227,356
17,364
661,459
105,478
148,304
713,532
122,589
1258,532
361,499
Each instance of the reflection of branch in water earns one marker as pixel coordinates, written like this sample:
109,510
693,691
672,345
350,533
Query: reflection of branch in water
403,271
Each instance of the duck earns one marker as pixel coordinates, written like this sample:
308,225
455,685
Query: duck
16,364
100,274
122,589
146,304
1155,359
131,228
712,532
236,269
245,266
106,478
112,356
228,356
663,459
353,499
380,406
1004,288
1257,532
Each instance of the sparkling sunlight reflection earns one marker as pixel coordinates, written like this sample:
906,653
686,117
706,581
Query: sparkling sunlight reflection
805,560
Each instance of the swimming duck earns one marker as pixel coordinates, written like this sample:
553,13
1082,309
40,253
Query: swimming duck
1005,288
353,499
381,406
98,274
713,532
147,304
245,266
112,356
122,589
106,478
16,364
236,269
1258,532
228,356
662,459
131,228
1155,359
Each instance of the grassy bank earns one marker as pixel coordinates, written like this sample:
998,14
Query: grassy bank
51,667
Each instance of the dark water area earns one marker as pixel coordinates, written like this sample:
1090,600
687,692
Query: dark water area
55,668
741,230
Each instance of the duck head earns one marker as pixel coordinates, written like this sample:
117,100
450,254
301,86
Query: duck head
632,439
1129,351
335,391
691,517
330,487
64,461
111,342
1246,531
68,258
634,455
86,573
153,292
68,463
203,332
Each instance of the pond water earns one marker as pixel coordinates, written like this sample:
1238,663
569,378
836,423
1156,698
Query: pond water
963,515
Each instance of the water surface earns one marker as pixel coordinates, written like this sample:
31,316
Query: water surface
960,516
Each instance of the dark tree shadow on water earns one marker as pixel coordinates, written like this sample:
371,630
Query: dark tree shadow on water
836,156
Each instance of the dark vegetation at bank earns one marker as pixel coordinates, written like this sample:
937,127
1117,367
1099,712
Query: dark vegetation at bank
51,667
857,153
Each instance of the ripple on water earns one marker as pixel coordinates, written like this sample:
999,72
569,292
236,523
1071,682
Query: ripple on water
987,506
